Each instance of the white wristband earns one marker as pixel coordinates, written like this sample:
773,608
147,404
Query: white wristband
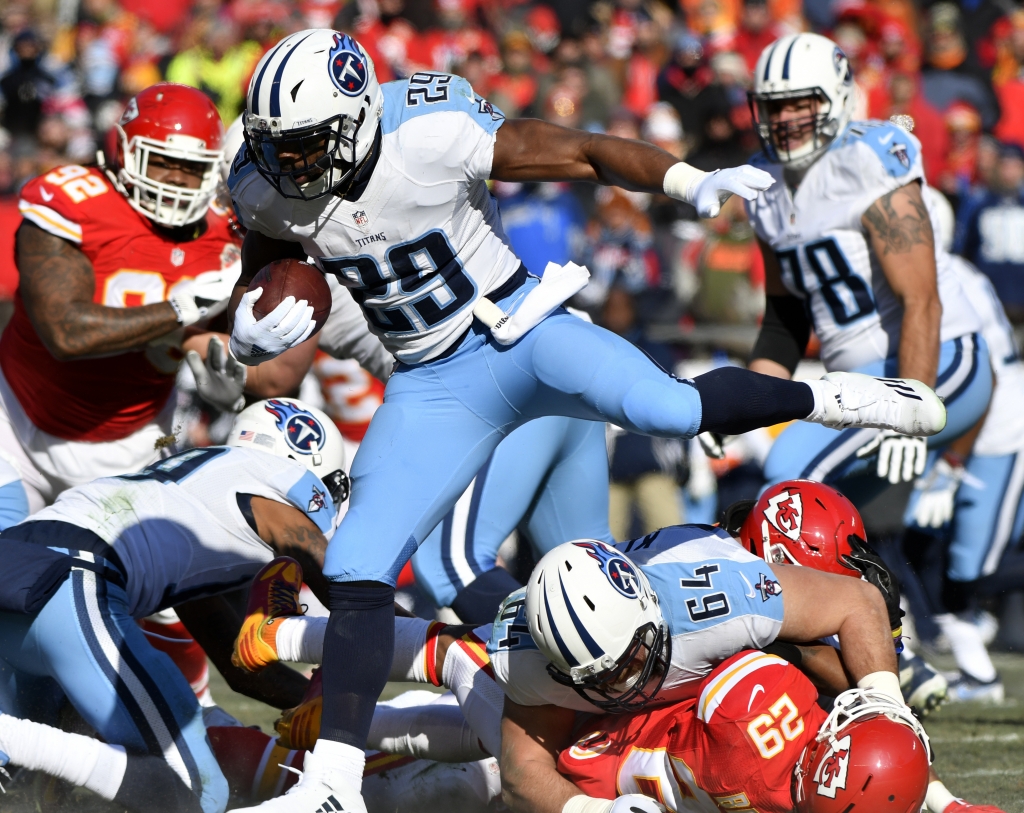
587,804
938,797
681,181
884,682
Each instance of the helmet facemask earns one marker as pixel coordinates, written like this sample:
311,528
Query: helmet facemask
630,682
338,486
796,142
167,204
319,159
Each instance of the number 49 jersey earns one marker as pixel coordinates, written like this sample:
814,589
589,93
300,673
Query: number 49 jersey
823,250
424,240
716,598
733,748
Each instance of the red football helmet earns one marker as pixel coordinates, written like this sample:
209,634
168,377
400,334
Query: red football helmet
871,755
806,523
178,122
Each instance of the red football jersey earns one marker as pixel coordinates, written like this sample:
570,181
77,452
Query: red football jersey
733,748
134,264
351,395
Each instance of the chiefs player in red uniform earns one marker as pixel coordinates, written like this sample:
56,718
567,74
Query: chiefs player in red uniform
113,263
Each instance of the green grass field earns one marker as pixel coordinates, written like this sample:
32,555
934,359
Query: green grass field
979,748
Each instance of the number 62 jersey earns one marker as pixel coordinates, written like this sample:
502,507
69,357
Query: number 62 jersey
823,250
715,596
424,240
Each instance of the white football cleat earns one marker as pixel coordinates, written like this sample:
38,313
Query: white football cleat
844,400
319,790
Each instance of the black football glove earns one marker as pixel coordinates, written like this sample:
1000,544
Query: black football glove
866,560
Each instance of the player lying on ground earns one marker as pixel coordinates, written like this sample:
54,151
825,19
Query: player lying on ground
176,534
693,733
385,187
746,607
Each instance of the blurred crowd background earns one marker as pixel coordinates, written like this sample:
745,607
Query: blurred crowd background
672,72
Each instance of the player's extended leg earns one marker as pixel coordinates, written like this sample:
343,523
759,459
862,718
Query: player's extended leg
566,366
132,695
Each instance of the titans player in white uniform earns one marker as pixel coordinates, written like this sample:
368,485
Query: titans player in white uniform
385,188
849,248
80,572
621,629
971,500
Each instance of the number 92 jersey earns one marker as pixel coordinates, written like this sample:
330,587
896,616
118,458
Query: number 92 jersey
823,251
716,598
424,240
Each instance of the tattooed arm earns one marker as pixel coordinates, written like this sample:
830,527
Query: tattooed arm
291,533
900,234
56,282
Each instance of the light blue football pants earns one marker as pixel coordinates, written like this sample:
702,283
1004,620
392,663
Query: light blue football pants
440,421
85,641
815,452
548,478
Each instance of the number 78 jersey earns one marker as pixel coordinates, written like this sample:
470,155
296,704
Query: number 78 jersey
424,240
823,250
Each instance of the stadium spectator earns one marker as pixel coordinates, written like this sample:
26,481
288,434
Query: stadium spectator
756,32
26,86
952,72
543,222
989,229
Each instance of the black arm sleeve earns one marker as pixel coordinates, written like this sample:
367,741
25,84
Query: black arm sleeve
785,331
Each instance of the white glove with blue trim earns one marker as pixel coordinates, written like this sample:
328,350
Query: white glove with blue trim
901,458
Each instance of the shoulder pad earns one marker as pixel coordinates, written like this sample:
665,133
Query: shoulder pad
428,92
739,687
897,149
61,201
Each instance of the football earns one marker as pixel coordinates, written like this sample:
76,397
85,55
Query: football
284,278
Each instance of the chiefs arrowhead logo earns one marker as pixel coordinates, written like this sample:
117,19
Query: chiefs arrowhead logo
831,773
786,512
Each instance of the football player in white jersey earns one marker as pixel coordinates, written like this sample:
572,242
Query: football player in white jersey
849,246
973,498
79,573
385,187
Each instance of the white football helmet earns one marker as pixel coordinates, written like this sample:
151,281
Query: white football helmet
800,66
287,427
312,112
593,613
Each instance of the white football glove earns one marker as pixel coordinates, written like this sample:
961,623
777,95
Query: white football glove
287,325
900,457
937,499
714,190
636,803
220,381
713,444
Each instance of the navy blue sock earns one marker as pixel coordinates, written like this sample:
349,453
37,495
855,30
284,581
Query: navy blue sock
477,602
358,649
734,400
150,785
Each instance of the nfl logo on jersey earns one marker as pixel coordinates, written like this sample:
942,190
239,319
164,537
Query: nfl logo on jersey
361,220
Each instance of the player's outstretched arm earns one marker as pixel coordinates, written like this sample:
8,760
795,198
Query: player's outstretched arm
900,233
531,738
57,282
214,624
534,150
818,605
